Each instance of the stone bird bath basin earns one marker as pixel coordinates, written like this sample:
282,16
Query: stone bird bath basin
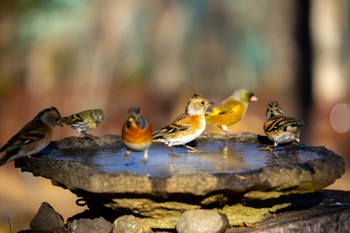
232,172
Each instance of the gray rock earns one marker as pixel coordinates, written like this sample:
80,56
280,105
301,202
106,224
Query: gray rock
234,164
202,221
47,219
96,225
130,224
325,211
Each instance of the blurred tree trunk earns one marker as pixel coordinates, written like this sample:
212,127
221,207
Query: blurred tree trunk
328,20
304,57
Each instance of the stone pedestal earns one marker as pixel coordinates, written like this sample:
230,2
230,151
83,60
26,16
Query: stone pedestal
231,176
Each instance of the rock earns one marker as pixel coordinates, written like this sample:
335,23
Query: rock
231,171
202,221
130,224
325,211
47,219
239,214
96,225
157,214
235,164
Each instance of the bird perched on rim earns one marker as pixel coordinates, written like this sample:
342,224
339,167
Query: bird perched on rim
137,133
84,121
279,127
232,109
33,137
186,127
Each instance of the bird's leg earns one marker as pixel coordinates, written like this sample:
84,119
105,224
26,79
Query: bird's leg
172,154
296,141
127,154
226,130
145,157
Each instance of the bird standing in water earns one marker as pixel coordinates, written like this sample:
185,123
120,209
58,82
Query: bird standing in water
137,133
186,127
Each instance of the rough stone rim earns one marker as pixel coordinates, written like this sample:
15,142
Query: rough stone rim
75,176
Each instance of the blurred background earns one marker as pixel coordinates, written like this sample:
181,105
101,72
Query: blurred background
78,54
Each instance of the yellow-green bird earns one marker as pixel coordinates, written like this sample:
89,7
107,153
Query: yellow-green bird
231,110
84,121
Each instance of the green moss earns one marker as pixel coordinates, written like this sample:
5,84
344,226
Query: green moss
283,191
239,214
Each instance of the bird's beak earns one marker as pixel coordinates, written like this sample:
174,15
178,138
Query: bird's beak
254,98
210,106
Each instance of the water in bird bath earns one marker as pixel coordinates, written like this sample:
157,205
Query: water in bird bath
218,157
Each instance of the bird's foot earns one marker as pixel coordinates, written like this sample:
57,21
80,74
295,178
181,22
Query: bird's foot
193,150
267,148
172,153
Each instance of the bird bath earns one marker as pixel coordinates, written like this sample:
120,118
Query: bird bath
230,169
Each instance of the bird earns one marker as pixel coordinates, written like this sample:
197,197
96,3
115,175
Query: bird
231,110
186,127
84,121
279,127
33,137
137,133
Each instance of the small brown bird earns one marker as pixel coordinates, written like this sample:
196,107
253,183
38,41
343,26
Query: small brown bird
137,133
186,127
33,137
279,127
231,110
84,121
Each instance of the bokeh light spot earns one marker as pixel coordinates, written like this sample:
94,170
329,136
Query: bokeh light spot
340,118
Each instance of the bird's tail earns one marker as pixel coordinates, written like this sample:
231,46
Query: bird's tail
8,157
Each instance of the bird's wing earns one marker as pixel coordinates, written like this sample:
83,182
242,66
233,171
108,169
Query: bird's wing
227,106
179,124
283,122
31,132
72,118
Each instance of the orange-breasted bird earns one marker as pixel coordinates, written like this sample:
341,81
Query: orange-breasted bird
279,127
33,137
137,133
231,110
186,127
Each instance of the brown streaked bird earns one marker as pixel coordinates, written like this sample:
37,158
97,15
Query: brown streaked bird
84,121
231,110
137,133
279,127
33,137
186,127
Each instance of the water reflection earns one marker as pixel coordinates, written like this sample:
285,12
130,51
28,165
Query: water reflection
219,157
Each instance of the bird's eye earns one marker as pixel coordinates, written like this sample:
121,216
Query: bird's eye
202,102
